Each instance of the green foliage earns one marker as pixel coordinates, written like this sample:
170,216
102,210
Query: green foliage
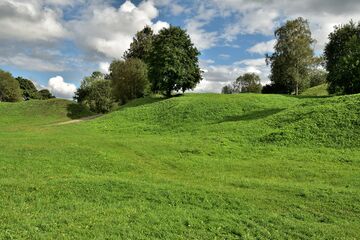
317,77
45,94
9,88
293,56
193,167
173,62
129,79
28,88
141,46
248,83
95,92
342,55
227,89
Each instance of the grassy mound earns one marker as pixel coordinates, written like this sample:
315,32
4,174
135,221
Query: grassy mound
193,111
317,91
190,167
332,122
39,112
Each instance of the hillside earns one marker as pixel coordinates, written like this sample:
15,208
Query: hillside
317,91
199,166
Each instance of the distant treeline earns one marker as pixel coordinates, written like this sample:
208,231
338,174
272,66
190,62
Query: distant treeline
294,66
17,89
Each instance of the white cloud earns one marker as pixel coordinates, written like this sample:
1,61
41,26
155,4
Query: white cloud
109,31
104,67
29,21
59,88
217,76
263,47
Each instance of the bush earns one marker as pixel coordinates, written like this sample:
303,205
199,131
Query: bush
45,94
28,88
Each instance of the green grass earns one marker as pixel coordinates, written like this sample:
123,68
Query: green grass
317,91
201,166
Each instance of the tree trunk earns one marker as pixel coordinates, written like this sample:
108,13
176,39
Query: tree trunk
297,89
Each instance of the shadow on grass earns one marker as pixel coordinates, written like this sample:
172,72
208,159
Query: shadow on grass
252,116
76,111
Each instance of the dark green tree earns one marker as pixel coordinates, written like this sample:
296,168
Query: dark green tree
9,88
28,88
95,92
227,89
248,83
45,94
141,46
293,56
342,55
173,64
129,79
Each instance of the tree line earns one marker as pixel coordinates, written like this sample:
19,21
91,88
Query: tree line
294,66
160,63
17,89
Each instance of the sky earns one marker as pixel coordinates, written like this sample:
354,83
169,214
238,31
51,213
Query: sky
56,43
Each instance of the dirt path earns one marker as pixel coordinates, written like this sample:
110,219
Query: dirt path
78,120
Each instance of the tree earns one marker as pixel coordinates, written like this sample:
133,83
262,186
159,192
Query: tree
28,88
293,56
95,92
227,89
129,79
45,94
248,83
141,46
342,55
173,63
317,77
9,88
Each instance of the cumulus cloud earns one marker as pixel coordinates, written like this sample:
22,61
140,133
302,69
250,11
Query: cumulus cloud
61,89
29,21
109,31
217,76
104,67
263,47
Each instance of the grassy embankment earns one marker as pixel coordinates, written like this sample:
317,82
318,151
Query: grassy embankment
193,167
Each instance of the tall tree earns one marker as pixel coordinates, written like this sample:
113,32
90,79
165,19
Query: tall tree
9,88
95,92
141,46
293,56
342,55
173,64
28,88
129,79
248,83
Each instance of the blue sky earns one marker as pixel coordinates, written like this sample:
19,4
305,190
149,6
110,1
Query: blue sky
56,43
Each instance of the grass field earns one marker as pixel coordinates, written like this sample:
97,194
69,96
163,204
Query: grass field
200,166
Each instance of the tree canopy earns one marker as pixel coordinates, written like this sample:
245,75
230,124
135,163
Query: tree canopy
141,46
342,54
293,56
9,88
129,79
95,92
173,63
28,88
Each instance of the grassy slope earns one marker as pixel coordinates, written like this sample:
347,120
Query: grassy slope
318,91
199,166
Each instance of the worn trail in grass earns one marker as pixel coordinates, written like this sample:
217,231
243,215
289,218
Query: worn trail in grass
201,166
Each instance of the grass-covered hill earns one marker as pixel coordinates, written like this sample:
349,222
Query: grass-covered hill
200,166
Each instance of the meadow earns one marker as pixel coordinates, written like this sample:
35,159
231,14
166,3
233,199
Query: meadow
198,166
